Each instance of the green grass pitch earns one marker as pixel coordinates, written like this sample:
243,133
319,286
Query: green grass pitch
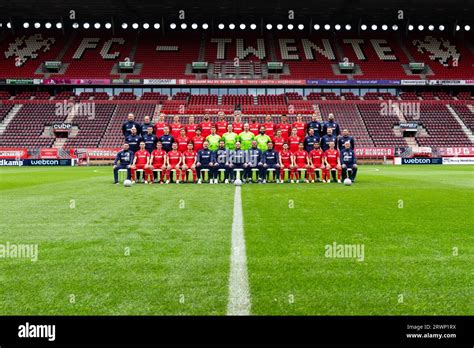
165,249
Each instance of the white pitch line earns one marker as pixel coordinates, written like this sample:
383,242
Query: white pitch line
239,293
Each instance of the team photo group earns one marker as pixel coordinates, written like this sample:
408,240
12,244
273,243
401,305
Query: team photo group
235,152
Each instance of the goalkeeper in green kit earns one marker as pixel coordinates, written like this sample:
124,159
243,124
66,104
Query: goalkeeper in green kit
246,138
262,140
213,139
230,138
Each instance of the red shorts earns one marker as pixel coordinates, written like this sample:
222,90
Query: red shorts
157,165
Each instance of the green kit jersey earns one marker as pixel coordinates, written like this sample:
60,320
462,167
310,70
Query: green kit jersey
230,138
262,142
213,141
246,139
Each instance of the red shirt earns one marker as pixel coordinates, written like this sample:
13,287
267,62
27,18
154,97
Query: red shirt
221,127
175,128
182,143
189,158
278,143
331,156
198,141
301,158
206,129
237,127
285,158
191,130
142,157
301,129
317,157
254,128
158,158
294,142
270,129
159,129
285,130
174,157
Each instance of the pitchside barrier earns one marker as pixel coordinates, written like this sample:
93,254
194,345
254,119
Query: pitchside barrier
418,160
433,160
36,162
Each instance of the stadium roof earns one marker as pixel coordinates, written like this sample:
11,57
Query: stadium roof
332,11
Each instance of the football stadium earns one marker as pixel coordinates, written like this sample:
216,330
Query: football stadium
237,158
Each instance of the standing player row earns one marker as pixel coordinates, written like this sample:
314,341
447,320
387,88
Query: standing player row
320,128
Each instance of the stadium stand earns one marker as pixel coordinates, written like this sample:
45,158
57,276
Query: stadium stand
442,127
445,119
91,130
466,113
28,128
167,57
4,110
363,118
375,55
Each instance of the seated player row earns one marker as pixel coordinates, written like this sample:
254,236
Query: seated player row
300,164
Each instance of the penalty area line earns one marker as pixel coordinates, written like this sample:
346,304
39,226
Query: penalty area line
239,292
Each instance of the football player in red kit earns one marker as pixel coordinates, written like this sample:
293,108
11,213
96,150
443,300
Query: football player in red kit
294,140
189,162
316,160
157,161
286,162
160,126
254,126
301,161
191,128
221,124
278,141
205,126
300,126
237,125
182,140
174,159
175,127
285,127
332,161
269,127
198,140
140,161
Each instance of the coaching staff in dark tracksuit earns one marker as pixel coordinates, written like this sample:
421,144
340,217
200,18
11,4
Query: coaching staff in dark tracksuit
123,160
